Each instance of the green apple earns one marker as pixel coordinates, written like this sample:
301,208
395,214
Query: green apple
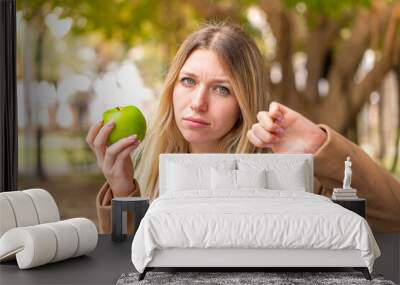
128,120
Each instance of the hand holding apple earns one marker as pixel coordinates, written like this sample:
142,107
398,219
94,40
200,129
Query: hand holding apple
285,131
128,120
114,160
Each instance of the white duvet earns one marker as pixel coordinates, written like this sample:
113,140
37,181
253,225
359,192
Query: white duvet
252,218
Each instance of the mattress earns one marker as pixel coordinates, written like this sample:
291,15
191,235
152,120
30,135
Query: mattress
251,219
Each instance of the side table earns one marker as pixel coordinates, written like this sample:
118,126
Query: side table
356,205
136,205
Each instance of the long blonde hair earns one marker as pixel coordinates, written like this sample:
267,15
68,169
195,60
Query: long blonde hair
245,66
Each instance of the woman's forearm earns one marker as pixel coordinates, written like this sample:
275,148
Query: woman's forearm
372,181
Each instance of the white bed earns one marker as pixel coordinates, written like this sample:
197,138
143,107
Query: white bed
247,210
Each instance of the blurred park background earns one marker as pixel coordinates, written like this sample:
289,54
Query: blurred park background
336,62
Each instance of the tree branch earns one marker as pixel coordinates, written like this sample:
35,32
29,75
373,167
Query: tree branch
281,25
355,45
318,43
341,78
371,81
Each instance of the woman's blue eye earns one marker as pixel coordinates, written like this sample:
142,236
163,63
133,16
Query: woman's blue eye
187,81
223,90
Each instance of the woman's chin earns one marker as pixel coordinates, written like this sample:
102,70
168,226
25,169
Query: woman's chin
193,137
195,140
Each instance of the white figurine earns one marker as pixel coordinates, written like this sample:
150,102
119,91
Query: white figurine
347,174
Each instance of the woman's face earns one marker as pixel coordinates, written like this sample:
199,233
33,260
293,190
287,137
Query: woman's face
203,92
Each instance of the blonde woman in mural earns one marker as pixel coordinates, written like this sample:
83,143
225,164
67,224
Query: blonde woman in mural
217,78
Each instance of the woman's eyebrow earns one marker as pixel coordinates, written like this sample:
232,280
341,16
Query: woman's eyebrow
189,73
221,80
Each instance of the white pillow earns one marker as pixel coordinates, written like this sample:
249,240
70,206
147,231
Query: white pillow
237,179
223,179
293,180
251,178
186,176
281,174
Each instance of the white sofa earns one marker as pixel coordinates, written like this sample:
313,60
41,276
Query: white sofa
31,231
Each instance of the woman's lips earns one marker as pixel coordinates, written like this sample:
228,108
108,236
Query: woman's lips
195,124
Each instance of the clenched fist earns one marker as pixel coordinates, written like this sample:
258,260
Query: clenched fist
285,131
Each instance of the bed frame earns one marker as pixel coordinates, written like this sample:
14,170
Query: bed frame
248,259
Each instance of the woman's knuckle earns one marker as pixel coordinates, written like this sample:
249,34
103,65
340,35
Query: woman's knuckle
110,151
260,130
97,144
248,135
259,116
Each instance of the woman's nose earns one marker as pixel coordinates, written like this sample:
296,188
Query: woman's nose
199,99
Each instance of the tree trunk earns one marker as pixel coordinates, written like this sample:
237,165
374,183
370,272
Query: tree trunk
27,78
352,132
397,142
381,124
40,173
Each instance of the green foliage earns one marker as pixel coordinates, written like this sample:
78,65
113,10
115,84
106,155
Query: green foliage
130,22
328,7
315,10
